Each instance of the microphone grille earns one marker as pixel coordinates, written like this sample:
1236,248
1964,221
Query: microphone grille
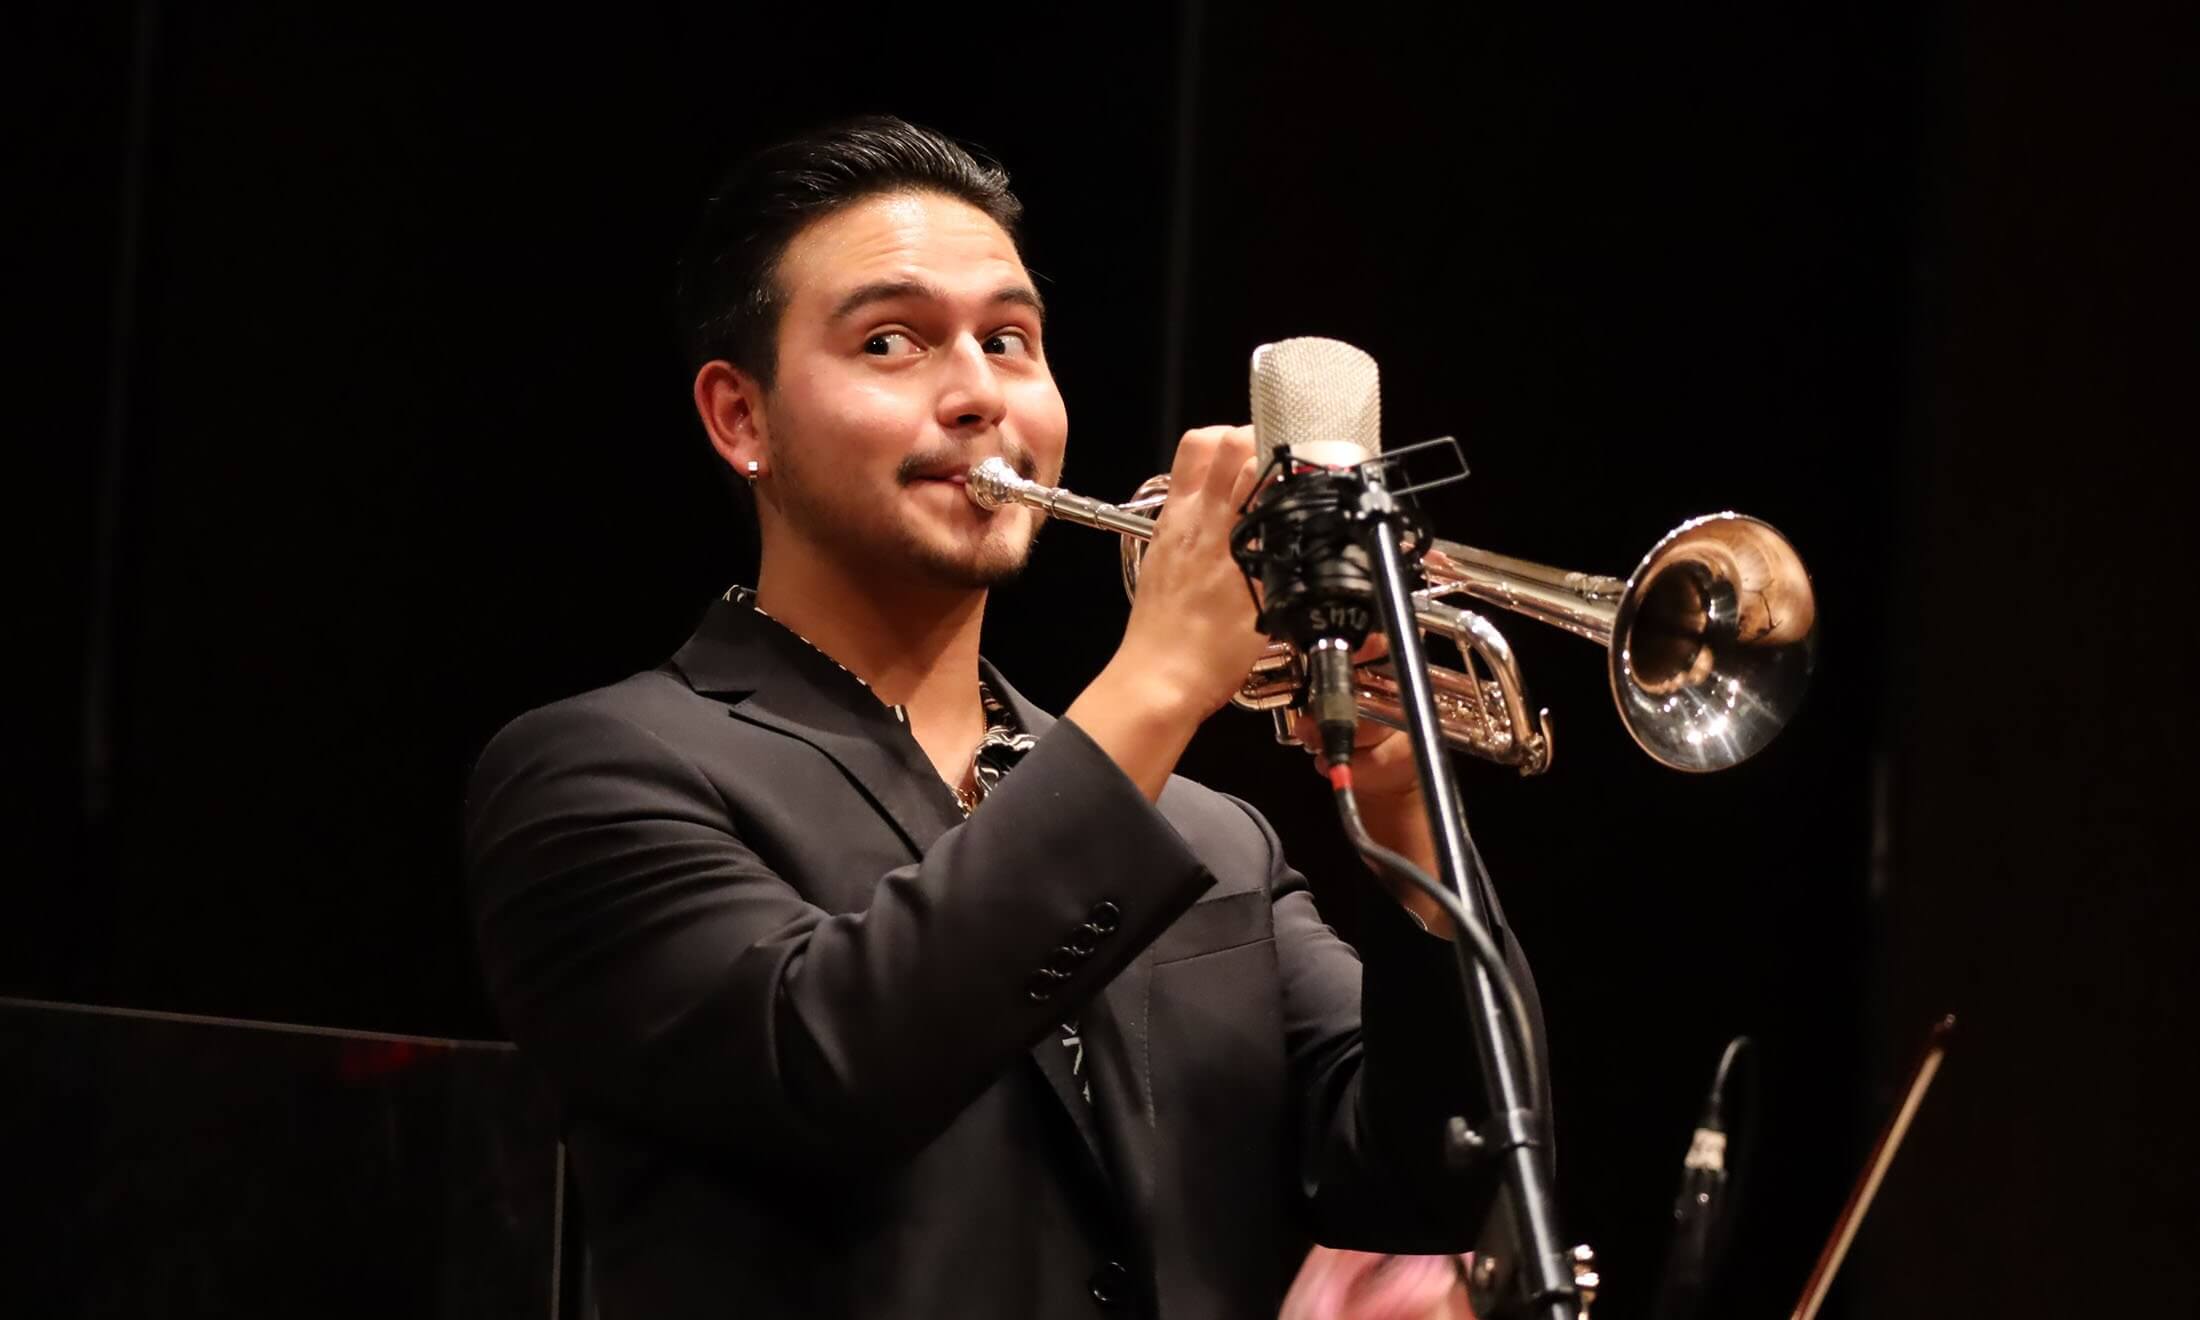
1322,397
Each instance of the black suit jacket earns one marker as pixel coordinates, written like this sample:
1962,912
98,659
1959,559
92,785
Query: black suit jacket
803,1015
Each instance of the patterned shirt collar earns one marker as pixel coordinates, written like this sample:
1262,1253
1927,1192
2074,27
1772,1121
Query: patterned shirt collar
1003,745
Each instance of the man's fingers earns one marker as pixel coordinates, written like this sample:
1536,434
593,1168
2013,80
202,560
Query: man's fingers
1242,490
1209,461
1211,474
1194,453
1233,451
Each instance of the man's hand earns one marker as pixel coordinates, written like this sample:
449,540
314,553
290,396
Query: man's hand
1192,634
1192,626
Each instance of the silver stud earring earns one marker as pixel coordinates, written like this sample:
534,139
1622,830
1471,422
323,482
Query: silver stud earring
752,469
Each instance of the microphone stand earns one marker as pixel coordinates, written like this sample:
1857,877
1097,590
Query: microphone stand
1518,1135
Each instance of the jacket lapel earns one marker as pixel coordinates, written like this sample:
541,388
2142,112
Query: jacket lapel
772,678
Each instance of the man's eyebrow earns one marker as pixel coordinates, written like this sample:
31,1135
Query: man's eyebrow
877,291
1022,295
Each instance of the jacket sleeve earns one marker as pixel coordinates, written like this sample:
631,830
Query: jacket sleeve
666,978
1380,1059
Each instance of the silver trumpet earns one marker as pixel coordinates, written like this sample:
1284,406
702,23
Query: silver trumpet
1709,641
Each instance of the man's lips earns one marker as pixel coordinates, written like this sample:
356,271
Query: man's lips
956,471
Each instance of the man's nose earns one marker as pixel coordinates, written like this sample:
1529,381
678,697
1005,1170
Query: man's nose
971,397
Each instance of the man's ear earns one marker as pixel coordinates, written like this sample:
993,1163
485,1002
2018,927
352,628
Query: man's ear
731,404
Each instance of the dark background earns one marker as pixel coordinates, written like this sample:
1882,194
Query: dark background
365,432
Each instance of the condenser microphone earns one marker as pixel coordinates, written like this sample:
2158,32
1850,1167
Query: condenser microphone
1321,397
1317,415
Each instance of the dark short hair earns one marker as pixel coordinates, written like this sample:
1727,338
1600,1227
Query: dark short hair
728,297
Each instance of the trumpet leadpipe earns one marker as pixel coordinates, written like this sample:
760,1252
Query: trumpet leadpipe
994,483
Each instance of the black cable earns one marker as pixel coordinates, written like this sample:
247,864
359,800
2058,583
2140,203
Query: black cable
1476,934
1704,1204
1734,1050
1741,1152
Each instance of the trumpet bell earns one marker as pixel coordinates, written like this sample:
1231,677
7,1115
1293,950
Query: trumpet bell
1713,642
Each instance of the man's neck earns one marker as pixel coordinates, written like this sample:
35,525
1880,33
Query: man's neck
915,644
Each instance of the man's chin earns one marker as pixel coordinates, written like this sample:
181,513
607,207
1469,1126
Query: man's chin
968,567
971,572
973,565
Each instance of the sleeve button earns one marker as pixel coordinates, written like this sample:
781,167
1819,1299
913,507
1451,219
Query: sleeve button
1110,1285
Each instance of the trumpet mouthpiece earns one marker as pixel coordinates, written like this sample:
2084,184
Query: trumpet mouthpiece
992,483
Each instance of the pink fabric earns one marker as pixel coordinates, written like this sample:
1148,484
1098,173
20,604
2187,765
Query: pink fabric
1356,1285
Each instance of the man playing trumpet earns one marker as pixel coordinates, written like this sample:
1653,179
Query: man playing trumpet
868,987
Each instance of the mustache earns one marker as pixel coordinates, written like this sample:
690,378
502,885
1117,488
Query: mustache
916,466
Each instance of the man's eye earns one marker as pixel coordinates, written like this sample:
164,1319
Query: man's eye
1009,343
889,343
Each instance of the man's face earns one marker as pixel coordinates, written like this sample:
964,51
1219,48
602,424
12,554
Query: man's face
909,349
